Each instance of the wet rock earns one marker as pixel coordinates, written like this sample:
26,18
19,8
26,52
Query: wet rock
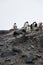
16,50
17,32
13,53
6,54
28,58
24,56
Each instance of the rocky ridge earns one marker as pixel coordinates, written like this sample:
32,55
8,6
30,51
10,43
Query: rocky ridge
22,49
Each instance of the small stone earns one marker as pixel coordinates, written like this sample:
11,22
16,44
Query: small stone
29,48
38,56
32,46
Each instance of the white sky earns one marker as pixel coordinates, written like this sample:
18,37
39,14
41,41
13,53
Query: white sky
20,11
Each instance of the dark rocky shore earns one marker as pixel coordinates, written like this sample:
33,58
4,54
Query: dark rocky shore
21,49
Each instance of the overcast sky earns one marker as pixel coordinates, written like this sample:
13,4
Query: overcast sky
20,11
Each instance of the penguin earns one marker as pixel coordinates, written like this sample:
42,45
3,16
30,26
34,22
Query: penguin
15,26
27,27
35,24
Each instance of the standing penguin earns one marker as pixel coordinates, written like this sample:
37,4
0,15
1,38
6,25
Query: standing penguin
27,27
34,26
15,26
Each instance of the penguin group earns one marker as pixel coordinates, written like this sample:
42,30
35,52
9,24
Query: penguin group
29,28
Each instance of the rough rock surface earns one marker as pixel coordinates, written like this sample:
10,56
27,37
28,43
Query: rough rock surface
24,49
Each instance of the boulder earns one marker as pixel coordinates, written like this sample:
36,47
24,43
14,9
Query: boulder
28,58
16,50
6,54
